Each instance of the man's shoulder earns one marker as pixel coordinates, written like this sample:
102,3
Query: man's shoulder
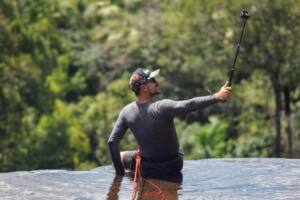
162,105
129,107
163,102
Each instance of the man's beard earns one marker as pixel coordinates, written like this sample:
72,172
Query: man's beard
156,92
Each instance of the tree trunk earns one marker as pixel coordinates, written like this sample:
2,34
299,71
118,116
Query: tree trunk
287,100
278,102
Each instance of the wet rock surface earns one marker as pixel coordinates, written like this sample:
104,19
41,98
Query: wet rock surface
248,178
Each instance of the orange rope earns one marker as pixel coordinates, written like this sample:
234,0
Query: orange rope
137,184
136,174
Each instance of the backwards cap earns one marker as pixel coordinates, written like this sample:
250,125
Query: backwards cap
141,76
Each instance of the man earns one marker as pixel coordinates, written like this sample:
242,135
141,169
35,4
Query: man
152,123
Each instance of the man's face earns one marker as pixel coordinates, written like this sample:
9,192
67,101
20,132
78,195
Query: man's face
153,87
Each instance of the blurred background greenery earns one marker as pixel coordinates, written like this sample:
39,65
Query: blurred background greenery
65,65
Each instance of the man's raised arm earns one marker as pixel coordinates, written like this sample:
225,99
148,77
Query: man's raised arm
180,108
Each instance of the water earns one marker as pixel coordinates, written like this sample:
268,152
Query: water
203,179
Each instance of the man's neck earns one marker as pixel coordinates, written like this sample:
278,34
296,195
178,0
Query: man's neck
144,99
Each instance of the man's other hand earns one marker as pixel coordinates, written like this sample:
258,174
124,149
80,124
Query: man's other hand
224,93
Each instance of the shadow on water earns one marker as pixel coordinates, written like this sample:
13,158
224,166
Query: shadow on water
169,186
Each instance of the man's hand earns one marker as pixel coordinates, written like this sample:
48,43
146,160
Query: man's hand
120,172
116,157
224,93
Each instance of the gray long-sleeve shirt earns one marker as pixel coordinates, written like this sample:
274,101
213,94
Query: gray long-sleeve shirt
152,124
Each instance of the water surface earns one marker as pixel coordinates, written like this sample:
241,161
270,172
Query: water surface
255,178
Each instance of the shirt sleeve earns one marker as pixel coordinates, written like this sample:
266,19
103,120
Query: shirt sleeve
119,129
180,108
116,135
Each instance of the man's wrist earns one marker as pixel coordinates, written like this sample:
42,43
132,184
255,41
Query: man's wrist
216,96
120,172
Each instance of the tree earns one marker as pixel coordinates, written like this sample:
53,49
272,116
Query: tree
272,46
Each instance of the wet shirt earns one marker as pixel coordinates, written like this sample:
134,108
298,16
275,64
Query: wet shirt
152,124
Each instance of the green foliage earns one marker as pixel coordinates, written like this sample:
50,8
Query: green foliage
65,65
97,115
256,136
204,141
58,140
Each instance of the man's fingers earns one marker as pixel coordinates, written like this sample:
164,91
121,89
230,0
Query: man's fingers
224,93
226,90
228,87
227,84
